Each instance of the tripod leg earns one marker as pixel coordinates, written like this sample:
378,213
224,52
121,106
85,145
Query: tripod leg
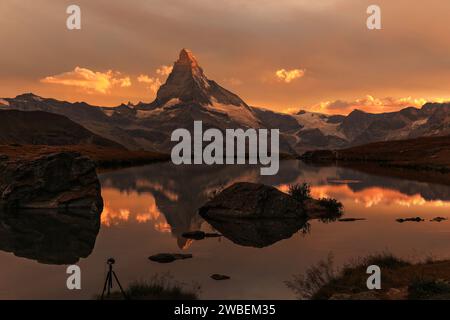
120,286
106,283
110,284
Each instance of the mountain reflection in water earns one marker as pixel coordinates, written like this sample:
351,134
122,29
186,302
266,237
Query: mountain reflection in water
169,196
147,209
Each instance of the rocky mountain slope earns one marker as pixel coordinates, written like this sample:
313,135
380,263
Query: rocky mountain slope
189,95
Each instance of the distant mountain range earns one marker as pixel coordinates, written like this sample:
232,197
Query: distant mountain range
189,95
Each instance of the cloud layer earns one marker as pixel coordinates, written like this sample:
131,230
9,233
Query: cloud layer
370,104
152,83
288,76
245,40
89,81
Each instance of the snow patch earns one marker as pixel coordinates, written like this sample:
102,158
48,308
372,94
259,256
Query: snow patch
171,102
311,120
419,123
109,113
142,114
239,114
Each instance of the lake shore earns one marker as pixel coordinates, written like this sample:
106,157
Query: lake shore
422,154
104,157
401,280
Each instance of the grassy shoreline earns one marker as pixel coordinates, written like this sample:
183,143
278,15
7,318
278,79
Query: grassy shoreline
104,157
421,154
400,280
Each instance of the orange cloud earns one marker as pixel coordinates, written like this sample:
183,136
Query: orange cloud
164,70
371,104
374,196
152,83
88,80
163,227
371,197
129,207
288,76
111,217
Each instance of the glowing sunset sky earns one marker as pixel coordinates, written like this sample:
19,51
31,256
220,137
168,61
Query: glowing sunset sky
279,54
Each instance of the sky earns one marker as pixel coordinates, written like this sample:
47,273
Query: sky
283,55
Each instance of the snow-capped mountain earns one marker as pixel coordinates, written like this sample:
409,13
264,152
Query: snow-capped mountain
188,85
188,95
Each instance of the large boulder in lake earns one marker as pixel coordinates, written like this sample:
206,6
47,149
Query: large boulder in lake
258,215
246,200
64,180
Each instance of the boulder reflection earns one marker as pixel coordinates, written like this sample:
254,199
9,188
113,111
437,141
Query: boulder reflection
49,236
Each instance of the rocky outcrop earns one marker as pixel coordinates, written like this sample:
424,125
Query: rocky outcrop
64,180
189,84
246,200
258,215
220,277
169,257
416,219
199,235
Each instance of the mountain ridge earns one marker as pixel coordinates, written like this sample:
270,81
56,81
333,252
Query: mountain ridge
43,128
188,95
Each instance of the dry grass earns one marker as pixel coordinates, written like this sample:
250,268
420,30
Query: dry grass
424,280
104,156
159,287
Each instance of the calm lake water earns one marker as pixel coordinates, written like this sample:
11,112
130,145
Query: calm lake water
148,208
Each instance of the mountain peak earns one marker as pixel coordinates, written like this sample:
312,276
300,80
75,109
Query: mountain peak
29,96
189,84
187,58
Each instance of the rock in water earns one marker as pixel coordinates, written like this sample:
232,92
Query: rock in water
220,277
351,219
169,257
245,200
64,180
194,235
416,219
439,219
199,235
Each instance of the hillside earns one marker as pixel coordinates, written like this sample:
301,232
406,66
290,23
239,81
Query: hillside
43,128
432,153
103,157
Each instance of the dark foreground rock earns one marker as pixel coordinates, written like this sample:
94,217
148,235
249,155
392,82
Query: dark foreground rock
439,219
49,236
258,215
246,200
64,180
220,277
169,257
351,219
416,219
199,235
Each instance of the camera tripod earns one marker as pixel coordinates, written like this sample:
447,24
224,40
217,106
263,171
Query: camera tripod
109,280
